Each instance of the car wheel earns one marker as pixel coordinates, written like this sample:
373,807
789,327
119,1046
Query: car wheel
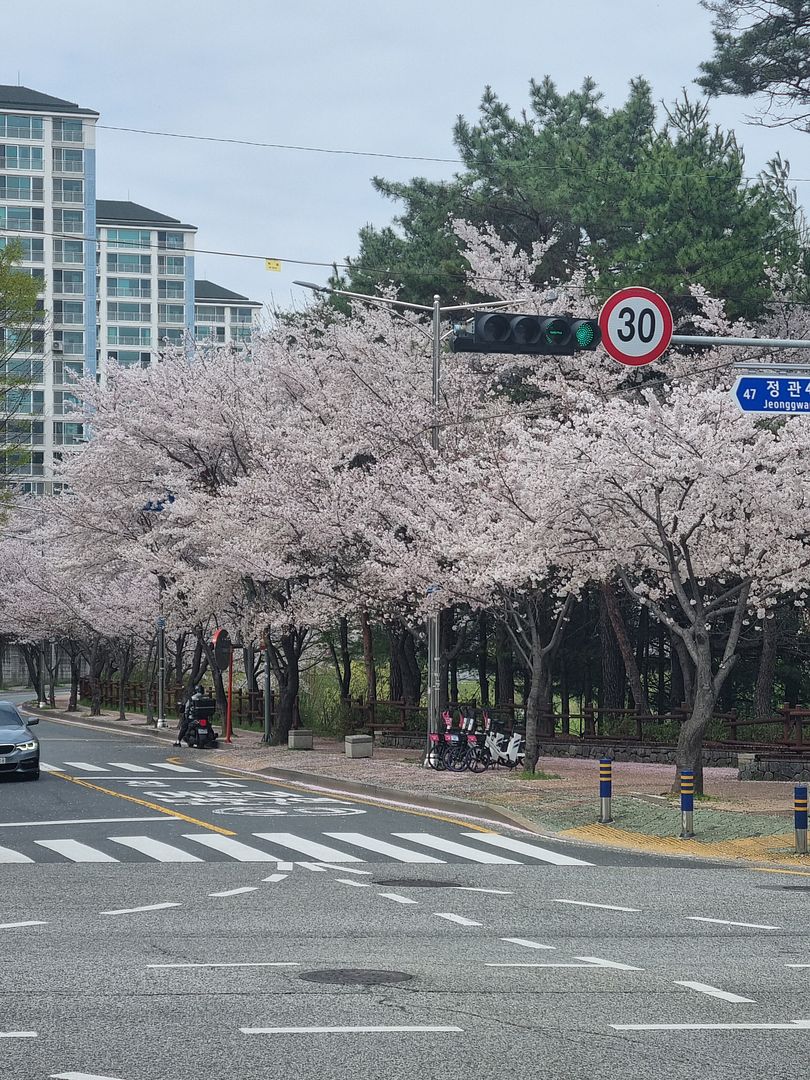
32,776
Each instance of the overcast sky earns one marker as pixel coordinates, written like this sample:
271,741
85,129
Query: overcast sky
368,75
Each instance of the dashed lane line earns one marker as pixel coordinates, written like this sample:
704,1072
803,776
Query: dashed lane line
236,892
146,907
18,1034
460,919
597,961
398,898
527,943
275,877
28,922
791,1025
713,991
357,884
728,922
587,903
358,1030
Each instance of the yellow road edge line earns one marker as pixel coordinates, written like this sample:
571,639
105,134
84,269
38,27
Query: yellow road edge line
776,870
144,802
293,785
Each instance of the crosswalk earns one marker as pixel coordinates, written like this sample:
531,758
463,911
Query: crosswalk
110,767
329,848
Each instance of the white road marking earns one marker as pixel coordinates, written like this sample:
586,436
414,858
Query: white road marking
172,768
587,903
86,821
522,848
315,867
534,965
155,849
308,847
797,965
329,866
527,943
382,847
455,918
453,848
85,766
712,991
80,1076
252,963
396,897
146,907
125,765
7,855
349,1030
727,922
275,877
50,768
357,884
597,961
470,888
76,851
791,1025
290,866
13,925
236,892
233,848
18,1034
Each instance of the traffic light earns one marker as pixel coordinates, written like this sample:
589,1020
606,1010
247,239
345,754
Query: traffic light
502,332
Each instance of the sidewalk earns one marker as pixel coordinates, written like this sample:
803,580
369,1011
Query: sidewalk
738,819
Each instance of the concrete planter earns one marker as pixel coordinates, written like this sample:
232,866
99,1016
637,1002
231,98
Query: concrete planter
300,739
358,746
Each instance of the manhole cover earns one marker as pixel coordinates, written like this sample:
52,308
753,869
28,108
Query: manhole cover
415,883
356,977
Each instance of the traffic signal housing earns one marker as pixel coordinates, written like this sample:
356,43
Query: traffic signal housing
537,335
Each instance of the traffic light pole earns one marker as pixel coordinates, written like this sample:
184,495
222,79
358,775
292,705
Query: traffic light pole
433,626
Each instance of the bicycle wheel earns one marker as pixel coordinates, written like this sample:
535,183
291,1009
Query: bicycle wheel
479,760
435,758
457,759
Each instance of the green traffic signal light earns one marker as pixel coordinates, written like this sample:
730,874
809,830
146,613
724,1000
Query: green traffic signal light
584,335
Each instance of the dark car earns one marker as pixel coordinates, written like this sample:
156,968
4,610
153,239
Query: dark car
19,747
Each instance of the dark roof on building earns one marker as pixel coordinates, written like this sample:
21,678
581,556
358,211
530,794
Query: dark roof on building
122,212
208,291
20,97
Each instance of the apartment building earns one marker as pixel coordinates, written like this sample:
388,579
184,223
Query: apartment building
117,278
48,202
222,317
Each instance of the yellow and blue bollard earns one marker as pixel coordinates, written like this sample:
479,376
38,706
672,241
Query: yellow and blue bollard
800,818
605,790
687,803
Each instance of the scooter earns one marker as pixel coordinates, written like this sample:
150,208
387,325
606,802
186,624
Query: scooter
501,752
201,734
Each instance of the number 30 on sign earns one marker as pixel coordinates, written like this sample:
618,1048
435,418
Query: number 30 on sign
636,326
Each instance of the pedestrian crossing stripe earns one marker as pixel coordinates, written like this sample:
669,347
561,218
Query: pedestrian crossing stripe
280,845
122,766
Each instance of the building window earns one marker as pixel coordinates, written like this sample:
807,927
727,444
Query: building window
21,188
69,312
21,157
68,221
33,248
171,313
65,434
68,131
65,402
128,286
127,238
209,313
21,371
68,282
170,336
68,251
171,290
123,312
70,191
171,265
242,315
71,342
67,371
27,402
139,336
214,334
21,218
129,264
130,358
20,127
241,333
68,160
171,241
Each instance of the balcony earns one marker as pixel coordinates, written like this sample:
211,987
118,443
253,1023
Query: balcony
144,292
68,288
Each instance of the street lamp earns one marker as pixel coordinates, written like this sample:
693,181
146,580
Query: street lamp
436,311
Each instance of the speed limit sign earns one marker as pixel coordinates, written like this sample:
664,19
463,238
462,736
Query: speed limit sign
636,326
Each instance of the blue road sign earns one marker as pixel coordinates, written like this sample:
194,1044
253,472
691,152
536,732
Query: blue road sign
773,394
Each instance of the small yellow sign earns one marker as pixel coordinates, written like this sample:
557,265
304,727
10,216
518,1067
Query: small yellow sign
272,264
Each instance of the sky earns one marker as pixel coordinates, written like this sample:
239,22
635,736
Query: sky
364,75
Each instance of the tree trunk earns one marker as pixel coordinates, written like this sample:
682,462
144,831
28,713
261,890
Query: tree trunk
763,692
677,689
75,668
454,679
661,699
368,658
285,660
504,666
689,752
565,704
342,661
536,704
611,686
483,678
249,664
411,675
395,691
608,591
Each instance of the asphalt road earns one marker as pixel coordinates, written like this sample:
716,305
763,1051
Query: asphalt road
135,950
